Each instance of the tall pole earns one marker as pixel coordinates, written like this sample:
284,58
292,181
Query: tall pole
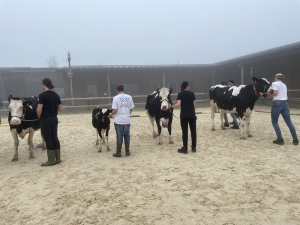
2,83
70,74
242,74
108,88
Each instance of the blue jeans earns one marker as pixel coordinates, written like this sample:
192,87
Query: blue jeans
225,118
122,130
235,122
282,107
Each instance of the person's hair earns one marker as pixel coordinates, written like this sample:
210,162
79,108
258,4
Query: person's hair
223,83
120,87
279,76
48,83
183,85
231,81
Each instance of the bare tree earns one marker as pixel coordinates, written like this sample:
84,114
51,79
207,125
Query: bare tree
52,62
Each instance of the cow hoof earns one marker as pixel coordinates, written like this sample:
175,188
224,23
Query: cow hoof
14,159
31,157
108,149
223,128
213,129
160,143
171,142
99,150
243,138
250,135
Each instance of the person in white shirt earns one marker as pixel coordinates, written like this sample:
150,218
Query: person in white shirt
122,107
280,105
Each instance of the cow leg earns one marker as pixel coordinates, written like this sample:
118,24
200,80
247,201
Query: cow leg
170,129
97,137
16,144
101,138
106,137
43,143
242,127
152,124
248,126
30,143
159,130
213,111
222,117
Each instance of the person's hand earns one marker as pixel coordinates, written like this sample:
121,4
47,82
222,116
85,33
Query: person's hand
170,106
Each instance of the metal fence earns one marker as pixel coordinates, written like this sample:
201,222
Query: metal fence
140,100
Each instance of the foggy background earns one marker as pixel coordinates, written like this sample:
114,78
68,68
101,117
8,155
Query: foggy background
142,32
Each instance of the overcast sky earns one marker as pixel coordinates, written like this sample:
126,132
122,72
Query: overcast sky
142,32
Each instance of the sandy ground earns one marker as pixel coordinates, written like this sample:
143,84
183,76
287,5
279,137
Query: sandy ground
228,180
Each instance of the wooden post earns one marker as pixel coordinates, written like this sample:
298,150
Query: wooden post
108,89
242,74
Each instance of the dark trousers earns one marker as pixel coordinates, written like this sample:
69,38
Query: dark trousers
185,122
49,132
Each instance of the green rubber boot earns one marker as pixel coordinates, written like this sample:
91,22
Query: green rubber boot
57,156
127,150
51,158
118,152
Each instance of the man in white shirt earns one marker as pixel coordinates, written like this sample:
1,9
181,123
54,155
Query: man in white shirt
280,105
122,107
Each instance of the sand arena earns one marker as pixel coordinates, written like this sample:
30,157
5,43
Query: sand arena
228,180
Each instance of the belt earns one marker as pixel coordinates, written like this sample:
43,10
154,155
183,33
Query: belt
280,100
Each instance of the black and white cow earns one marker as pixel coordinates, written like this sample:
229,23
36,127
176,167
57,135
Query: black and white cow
238,99
22,119
101,123
157,109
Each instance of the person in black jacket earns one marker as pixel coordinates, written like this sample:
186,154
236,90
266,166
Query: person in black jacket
48,106
186,99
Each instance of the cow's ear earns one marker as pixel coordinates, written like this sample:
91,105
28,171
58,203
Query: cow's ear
10,98
255,79
157,90
170,90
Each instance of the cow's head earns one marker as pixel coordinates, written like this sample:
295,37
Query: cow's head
263,86
17,110
164,96
101,114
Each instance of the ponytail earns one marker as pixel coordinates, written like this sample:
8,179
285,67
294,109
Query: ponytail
183,85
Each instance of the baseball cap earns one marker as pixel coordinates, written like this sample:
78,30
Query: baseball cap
280,76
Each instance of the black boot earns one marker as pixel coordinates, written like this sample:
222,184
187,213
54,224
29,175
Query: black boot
51,158
183,150
278,141
57,155
226,124
127,150
118,152
235,127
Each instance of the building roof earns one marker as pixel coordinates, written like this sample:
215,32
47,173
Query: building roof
273,51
